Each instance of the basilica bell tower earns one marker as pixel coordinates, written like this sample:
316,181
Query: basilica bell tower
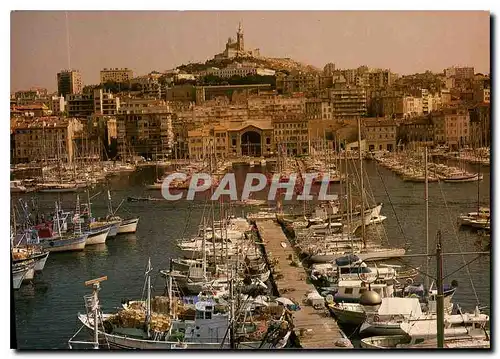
239,38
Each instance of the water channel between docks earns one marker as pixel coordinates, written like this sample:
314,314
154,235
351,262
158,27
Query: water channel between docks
314,328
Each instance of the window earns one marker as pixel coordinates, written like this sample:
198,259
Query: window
348,291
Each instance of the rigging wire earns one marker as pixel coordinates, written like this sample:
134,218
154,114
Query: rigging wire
458,241
393,209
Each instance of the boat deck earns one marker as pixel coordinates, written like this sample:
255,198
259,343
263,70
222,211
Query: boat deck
315,328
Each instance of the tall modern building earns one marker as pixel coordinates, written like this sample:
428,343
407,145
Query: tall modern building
69,82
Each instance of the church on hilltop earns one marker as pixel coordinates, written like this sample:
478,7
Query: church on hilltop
236,48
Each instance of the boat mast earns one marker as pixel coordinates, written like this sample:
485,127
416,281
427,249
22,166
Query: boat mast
361,182
203,243
426,195
78,225
110,205
440,296
148,300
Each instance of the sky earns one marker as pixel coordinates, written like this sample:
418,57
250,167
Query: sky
45,42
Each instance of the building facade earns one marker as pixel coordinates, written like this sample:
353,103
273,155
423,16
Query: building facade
69,82
348,102
45,139
80,105
380,134
116,75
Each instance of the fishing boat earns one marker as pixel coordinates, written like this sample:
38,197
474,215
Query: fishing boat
57,242
128,226
141,327
459,178
21,255
57,187
98,236
19,272
143,199
16,186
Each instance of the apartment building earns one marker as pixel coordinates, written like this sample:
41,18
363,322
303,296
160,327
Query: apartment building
291,133
45,138
69,82
144,131
380,133
105,103
347,102
80,105
116,75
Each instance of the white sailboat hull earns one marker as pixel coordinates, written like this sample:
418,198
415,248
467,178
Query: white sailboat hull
65,245
97,237
128,226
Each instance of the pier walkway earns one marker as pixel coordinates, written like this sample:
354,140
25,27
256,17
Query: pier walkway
315,328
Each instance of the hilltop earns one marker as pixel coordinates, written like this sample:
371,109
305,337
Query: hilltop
278,64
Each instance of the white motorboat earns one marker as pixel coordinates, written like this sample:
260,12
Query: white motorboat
464,330
16,186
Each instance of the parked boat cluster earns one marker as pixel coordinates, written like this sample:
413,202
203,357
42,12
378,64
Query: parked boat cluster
476,156
413,170
60,231
62,178
216,297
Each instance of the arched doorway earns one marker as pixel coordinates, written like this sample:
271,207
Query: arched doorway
250,144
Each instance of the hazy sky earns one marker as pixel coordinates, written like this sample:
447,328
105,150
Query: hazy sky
405,42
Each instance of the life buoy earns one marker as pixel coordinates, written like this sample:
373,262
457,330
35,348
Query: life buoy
409,281
376,318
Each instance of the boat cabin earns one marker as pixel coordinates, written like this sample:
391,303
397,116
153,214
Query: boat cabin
207,326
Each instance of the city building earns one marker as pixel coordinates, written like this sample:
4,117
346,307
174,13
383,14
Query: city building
80,105
412,106
35,110
149,85
116,75
291,133
451,127
237,69
416,132
329,69
184,93
459,72
57,105
380,133
482,95
35,95
207,93
347,102
69,82
480,125
144,130
105,103
45,139
297,81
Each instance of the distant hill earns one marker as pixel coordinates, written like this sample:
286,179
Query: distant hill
277,64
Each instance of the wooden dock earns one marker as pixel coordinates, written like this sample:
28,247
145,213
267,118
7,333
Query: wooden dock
315,328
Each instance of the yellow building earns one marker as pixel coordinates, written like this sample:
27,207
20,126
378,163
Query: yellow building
45,138
380,133
291,133
116,75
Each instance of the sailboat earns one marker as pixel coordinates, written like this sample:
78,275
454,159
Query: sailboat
57,242
142,327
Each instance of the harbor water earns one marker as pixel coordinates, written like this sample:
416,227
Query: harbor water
46,310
